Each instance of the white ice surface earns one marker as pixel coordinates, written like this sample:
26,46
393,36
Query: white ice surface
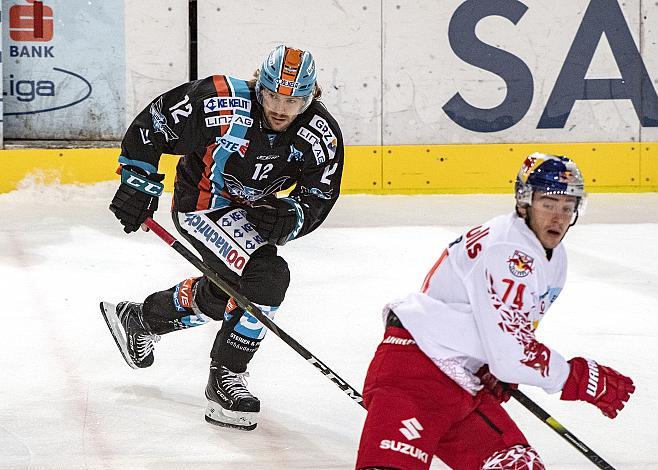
68,400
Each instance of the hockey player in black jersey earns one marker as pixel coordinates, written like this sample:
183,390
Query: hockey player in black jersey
241,142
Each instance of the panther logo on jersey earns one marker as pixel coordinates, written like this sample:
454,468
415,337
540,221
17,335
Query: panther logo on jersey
160,121
247,193
316,192
295,154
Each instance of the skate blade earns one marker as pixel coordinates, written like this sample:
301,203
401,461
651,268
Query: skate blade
218,416
109,312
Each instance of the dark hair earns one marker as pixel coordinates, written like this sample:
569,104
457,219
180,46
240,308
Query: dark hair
317,91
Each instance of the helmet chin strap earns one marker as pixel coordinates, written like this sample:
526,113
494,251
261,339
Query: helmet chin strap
263,117
264,120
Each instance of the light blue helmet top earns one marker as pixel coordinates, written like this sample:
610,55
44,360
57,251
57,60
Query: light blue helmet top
288,71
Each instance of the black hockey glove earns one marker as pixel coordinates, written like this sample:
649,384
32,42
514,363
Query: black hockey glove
137,197
277,221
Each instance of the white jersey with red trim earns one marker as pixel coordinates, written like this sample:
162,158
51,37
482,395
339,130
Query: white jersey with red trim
481,304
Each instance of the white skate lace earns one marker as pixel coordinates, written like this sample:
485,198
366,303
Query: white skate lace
235,383
144,345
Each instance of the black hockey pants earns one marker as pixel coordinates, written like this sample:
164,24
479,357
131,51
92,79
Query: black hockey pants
263,280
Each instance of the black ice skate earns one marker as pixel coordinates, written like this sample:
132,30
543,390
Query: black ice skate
229,402
133,338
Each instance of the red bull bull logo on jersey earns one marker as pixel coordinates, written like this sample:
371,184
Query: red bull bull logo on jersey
520,264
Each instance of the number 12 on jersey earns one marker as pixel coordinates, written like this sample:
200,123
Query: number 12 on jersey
261,171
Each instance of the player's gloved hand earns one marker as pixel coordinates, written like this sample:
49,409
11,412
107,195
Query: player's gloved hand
500,390
137,197
275,220
599,385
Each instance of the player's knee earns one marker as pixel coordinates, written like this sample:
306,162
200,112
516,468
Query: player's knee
518,457
265,280
210,299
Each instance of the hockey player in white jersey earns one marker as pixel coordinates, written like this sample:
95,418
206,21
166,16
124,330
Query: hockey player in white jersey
438,378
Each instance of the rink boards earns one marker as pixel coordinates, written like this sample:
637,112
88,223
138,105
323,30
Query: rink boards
402,169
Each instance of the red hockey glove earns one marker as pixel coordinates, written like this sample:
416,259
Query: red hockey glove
500,390
599,385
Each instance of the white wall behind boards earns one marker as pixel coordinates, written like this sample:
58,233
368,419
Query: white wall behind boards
393,72
1,104
475,71
344,37
649,38
157,50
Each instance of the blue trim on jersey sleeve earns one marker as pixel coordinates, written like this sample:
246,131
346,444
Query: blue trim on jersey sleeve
236,133
240,89
300,218
141,183
139,164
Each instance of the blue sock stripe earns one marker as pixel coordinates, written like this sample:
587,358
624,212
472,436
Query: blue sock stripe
194,320
250,327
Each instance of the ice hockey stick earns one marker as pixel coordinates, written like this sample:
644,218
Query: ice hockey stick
247,305
551,422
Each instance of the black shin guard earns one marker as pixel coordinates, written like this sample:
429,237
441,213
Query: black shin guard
232,349
264,281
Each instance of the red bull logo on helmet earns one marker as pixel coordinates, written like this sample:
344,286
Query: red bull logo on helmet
530,164
568,177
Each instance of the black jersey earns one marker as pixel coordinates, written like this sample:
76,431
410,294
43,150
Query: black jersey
229,156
